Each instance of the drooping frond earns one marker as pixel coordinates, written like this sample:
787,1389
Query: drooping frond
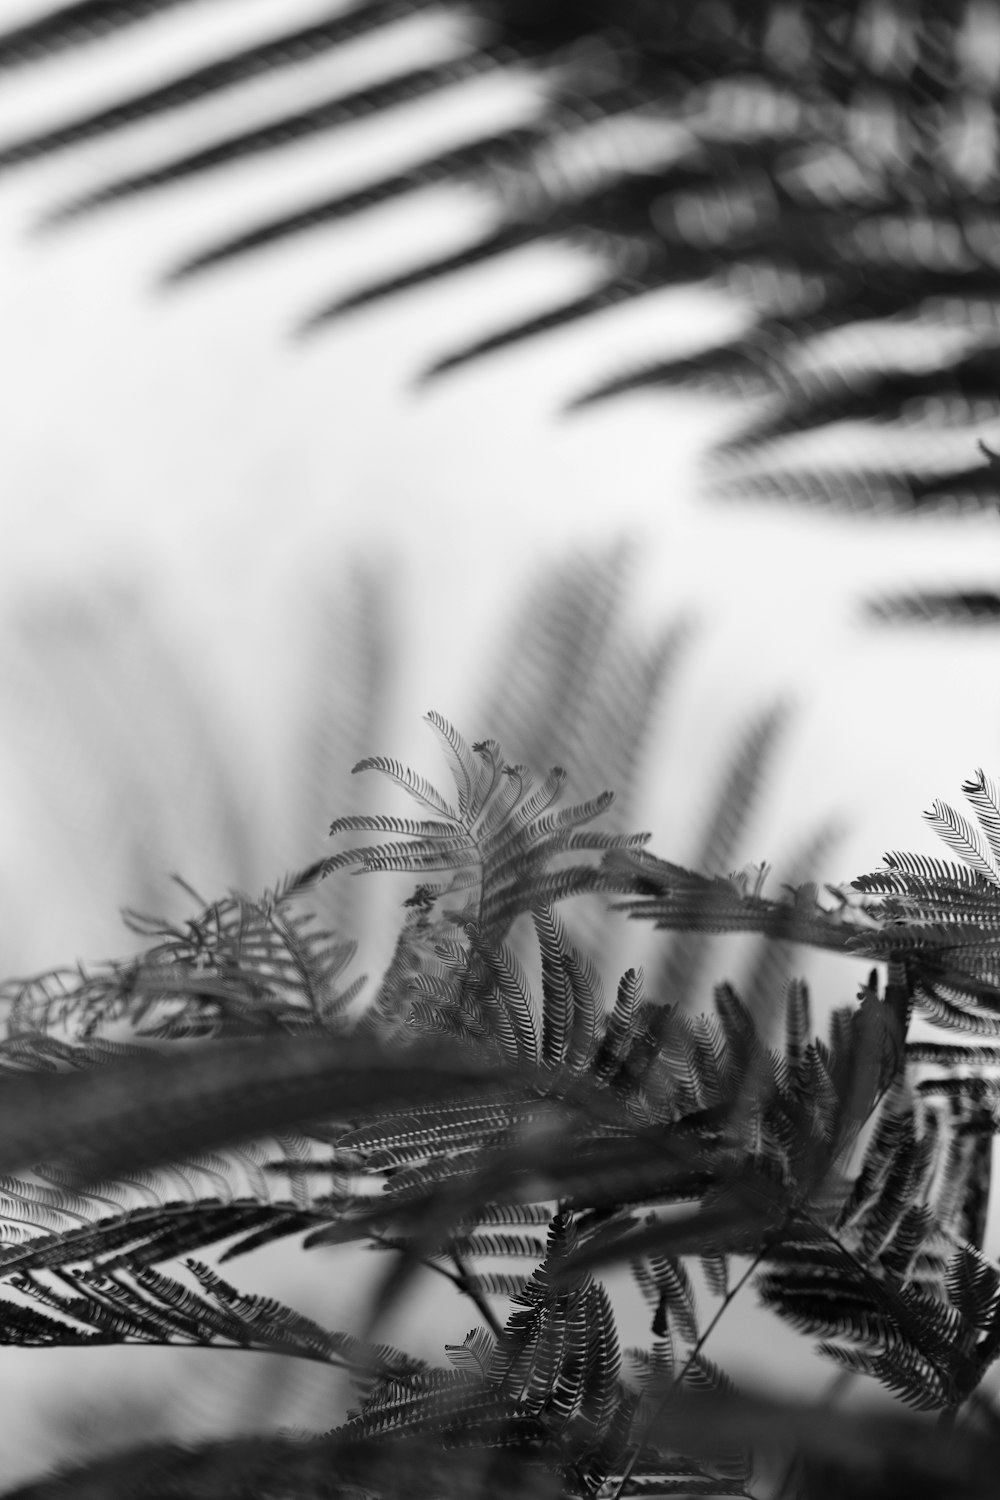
572,997
137,1304
622,1027
146,1235
666,1286
915,1344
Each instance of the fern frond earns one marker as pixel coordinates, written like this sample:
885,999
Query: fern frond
263,1319
973,1286
602,1387
935,872
509,998
499,846
798,1022
144,1235
572,999
716,1271
507,1284
417,786
912,1378
621,1027
966,840
665,1284
984,794
951,1054
527,1214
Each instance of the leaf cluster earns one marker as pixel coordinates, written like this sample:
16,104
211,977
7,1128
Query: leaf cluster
484,1112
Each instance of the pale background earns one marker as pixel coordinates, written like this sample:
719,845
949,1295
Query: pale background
181,458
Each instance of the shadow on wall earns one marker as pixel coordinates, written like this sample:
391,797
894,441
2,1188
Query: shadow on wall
125,762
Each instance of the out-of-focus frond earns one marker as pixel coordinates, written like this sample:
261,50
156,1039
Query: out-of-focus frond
828,169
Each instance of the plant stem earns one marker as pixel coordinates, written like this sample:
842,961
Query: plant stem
654,1415
461,1278
465,1283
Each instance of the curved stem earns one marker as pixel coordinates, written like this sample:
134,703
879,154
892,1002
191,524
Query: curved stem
696,1349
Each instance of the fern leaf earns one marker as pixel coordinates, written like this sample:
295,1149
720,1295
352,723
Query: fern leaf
490,777
798,1022
494,1243
914,1380
27,1327
530,809
527,1214
495,1283
664,1282
960,834
951,1054
620,1027
557,988
984,794
453,1125
601,1390
473,1353
973,1286
431,853
382,823
460,759
107,1308
417,786
512,1002
263,1319
716,1270
926,867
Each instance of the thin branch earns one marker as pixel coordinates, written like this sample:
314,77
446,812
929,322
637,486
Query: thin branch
657,1411
465,1281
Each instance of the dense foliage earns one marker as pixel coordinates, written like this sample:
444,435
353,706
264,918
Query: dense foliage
485,1109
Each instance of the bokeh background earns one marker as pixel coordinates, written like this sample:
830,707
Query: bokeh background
227,553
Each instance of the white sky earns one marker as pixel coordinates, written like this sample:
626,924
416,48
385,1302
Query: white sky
185,447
